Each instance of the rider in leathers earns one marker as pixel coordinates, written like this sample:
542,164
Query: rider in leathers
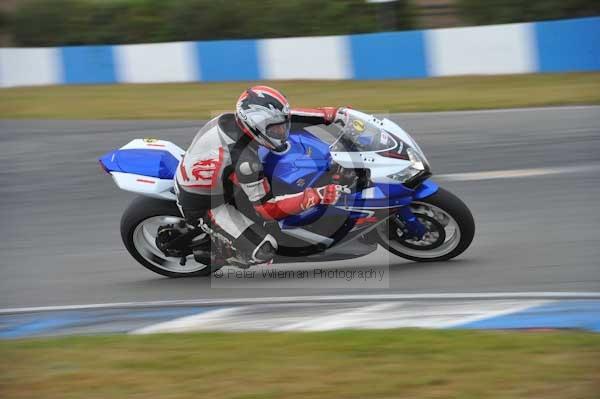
223,160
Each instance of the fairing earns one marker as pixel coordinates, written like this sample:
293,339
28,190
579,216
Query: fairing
300,166
391,154
144,166
140,161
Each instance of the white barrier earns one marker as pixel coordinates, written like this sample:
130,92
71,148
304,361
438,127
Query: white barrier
155,63
499,49
325,57
30,67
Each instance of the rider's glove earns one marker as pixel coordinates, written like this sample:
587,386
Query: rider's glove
330,194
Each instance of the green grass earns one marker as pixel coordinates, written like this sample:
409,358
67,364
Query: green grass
201,100
341,364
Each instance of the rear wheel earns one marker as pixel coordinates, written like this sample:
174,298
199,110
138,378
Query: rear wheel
139,228
450,230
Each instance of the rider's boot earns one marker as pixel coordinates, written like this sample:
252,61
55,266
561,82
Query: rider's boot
248,254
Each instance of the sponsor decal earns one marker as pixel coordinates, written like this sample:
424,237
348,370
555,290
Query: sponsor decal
358,125
150,140
256,190
300,182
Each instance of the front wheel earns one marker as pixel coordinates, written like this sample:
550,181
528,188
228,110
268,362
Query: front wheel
139,228
450,230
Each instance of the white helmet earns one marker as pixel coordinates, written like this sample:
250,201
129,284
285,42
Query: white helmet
263,113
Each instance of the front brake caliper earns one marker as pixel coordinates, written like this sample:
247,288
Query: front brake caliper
409,223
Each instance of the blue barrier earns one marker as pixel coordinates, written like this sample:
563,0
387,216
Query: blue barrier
392,55
88,64
228,60
569,45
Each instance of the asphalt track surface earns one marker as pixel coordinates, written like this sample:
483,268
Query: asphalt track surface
60,241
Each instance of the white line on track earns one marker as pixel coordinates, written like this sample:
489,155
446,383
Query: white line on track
309,299
515,173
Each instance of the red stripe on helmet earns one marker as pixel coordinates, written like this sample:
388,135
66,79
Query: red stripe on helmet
242,96
273,92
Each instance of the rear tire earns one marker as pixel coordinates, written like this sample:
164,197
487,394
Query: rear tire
137,227
455,218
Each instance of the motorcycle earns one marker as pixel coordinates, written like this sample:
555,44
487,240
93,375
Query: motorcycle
388,200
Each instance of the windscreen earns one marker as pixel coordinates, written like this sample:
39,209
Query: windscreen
360,134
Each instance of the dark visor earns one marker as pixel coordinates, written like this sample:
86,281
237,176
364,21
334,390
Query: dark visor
279,131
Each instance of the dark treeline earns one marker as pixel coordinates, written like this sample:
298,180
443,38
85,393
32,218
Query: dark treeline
484,12
71,22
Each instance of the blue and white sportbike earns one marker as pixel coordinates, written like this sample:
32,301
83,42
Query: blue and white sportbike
388,200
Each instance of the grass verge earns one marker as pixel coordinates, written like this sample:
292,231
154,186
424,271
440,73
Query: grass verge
348,364
201,100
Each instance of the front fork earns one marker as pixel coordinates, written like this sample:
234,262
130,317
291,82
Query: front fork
408,222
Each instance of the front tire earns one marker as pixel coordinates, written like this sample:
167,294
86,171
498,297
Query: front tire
139,227
450,225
